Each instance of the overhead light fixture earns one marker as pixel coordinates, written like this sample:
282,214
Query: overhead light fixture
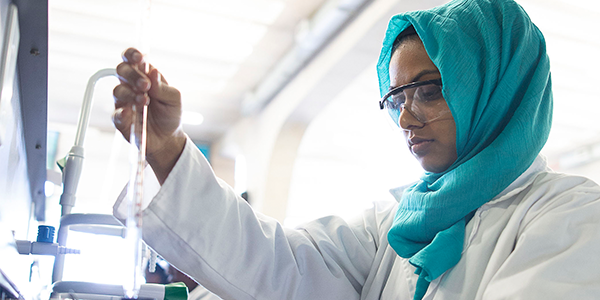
192,118
256,11
199,32
204,35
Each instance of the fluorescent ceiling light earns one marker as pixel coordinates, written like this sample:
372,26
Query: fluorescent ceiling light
108,9
209,36
585,5
259,11
168,64
216,37
95,25
191,86
192,118
579,14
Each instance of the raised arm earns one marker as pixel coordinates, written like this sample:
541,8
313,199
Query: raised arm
200,225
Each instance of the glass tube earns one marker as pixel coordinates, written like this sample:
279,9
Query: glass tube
137,161
135,195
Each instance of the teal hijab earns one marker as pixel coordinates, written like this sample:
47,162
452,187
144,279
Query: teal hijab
496,81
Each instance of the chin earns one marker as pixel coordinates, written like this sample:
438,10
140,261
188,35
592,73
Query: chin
433,170
433,167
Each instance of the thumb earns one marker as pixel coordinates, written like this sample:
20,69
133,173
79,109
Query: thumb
160,89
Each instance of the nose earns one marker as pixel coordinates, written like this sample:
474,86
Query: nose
408,121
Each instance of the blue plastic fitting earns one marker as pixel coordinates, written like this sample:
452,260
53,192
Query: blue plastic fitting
45,234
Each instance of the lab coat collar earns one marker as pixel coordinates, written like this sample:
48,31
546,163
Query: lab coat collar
540,164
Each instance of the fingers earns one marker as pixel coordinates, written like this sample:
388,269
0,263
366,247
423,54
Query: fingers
132,71
132,76
133,89
132,56
123,95
124,98
135,58
122,120
137,87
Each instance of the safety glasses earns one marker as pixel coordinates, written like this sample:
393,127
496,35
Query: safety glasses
422,99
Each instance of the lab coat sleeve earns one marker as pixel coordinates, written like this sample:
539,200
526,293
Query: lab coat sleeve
200,225
557,252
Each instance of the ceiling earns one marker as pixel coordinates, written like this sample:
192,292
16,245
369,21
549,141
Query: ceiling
214,52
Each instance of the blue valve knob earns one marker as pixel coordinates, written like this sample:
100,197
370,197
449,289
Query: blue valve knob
45,234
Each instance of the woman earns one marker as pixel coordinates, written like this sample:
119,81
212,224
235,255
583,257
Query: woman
469,85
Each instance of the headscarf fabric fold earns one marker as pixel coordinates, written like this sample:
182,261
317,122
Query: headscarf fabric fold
496,81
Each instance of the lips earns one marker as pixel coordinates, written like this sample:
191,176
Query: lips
418,145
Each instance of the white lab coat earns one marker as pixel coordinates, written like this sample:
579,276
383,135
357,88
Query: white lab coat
539,239
200,293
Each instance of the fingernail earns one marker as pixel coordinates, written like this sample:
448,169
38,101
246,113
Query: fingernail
158,79
143,84
137,57
142,99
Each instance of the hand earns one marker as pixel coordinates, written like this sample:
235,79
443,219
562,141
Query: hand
165,137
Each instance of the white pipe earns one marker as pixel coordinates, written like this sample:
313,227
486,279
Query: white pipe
41,248
72,169
326,23
86,107
78,219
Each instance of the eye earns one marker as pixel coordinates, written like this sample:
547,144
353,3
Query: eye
397,100
389,104
428,92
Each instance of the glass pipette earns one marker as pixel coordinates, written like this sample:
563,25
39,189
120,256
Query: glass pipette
137,161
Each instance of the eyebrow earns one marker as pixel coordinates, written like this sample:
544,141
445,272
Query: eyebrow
418,76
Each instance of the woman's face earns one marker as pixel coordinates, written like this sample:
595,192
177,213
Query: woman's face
432,143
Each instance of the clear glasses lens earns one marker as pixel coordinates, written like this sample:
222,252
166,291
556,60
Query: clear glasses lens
425,103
